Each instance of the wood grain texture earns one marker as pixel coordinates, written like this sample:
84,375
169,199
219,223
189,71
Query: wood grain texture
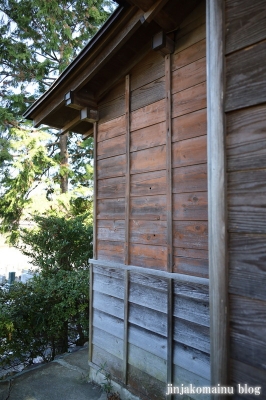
246,77
192,290
242,182
241,372
90,311
217,217
108,304
148,208
149,115
247,267
191,334
148,183
115,92
115,345
111,147
102,357
147,362
190,152
189,75
127,187
191,234
199,20
190,179
148,319
192,360
188,251
245,23
189,100
125,344
191,266
111,208
150,136
95,192
147,160
108,323
145,385
158,283
108,285
185,377
112,272
113,230
148,256
192,310
108,250
189,55
169,197
148,70
198,11
147,340
190,125
148,232
148,94
111,167
112,128
248,330
148,297
113,109
190,206
191,38
246,138
111,187
247,212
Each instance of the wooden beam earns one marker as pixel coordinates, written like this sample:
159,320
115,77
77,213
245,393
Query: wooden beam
169,201
154,272
125,347
170,294
79,100
153,11
168,109
217,216
89,115
127,190
86,69
90,312
161,42
95,132
70,125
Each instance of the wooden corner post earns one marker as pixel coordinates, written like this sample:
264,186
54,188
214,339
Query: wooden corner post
217,217
168,90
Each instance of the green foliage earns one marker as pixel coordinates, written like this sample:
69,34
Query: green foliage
48,313
58,243
36,317
38,40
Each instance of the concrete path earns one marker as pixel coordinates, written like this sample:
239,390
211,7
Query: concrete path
66,378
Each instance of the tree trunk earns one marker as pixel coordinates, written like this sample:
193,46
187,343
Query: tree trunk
64,162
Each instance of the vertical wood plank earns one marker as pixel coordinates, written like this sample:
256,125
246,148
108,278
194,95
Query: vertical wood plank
125,349
217,218
90,312
168,120
127,188
95,129
169,163
127,210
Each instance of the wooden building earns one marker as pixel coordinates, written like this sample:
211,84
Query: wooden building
170,302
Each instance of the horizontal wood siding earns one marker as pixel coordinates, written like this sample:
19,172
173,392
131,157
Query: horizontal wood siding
131,327
189,149
246,165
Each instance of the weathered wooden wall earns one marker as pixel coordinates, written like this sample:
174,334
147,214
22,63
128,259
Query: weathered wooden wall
150,329
245,107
